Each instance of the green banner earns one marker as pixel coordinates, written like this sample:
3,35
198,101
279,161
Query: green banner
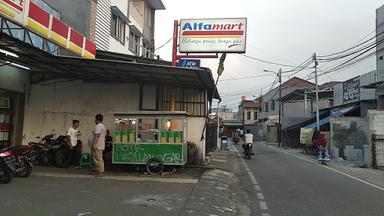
170,154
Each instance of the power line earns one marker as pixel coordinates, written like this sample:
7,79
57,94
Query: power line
248,77
268,62
355,46
170,39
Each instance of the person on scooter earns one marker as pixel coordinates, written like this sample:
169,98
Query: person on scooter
73,135
248,137
322,145
236,137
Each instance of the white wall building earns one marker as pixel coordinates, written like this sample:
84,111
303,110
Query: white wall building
127,26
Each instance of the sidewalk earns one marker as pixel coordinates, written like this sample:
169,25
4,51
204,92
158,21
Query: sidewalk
182,175
217,192
347,167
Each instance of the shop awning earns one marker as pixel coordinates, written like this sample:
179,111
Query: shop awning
335,113
44,66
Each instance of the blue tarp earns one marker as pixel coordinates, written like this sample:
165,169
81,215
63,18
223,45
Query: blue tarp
336,113
322,122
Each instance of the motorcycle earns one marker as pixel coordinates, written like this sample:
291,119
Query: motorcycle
66,154
57,151
16,161
247,147
236,140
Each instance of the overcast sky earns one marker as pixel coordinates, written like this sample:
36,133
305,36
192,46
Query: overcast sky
283,31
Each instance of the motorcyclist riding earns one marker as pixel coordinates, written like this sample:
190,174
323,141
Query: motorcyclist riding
247,145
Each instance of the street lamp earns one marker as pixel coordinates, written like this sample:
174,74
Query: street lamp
280,107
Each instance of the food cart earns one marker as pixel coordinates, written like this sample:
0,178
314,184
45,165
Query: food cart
154,139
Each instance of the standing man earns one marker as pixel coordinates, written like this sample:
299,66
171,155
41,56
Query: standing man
73,135
98,145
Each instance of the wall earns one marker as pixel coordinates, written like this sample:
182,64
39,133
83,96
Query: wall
195,127
103,24
53,106
75,13
349,131
13,79
380,47
376,126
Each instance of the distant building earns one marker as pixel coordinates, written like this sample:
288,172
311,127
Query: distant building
380,56
290,111
249,110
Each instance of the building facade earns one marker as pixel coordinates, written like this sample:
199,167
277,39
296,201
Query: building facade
291,112
380,55
127,26
248,111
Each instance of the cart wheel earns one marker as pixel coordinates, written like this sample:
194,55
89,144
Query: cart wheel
155,166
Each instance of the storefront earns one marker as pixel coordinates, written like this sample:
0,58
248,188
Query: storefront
13,83
61,89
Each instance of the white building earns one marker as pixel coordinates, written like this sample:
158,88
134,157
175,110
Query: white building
127,26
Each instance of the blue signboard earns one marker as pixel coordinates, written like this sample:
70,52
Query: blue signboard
189,63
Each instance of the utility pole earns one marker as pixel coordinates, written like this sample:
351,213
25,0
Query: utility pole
218,123
280,137
242,106
317,95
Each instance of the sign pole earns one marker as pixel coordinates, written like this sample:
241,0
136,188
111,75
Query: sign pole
174,47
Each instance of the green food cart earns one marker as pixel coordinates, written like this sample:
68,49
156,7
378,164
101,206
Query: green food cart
153,139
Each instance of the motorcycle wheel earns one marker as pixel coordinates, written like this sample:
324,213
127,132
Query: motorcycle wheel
62,158
6,175
26,169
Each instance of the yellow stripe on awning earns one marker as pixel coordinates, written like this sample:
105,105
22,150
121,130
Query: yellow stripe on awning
39,29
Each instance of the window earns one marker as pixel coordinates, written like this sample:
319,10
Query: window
118,23
265,107
147,50
134,42
272,105
381,58
254,115
192,101
248,115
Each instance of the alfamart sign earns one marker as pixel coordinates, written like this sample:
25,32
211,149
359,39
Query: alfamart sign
34,18
213,35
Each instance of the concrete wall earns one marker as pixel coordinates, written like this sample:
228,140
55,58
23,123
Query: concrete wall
13,79
75,13
51,107
380,47
376,126
195,127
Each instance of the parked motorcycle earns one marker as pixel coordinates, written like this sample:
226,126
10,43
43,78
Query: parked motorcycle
16,161
67,155
51,151
45,150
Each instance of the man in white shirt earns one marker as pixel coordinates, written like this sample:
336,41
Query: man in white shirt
98,145
73,135
248,137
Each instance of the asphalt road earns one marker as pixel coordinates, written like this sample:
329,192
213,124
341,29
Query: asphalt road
38,195
287,185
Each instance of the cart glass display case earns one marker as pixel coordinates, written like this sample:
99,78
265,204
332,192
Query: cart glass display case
141,137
